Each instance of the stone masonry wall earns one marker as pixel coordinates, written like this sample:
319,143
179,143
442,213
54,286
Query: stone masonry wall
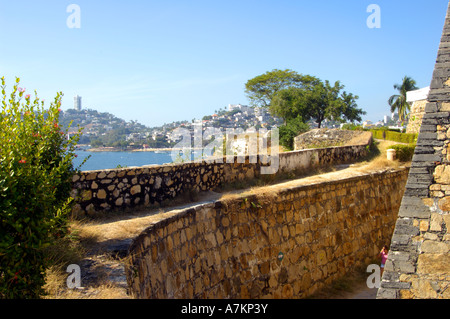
325,137
418,264
283,244
137,187
415,117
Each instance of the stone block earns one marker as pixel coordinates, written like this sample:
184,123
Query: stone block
386,293
86,195
395,285
433,264
414,212
436,222
101,194
442,174
404,266
434,247
446,219
424,289
264,268
136,189
423,225
426,157
91,176
101,175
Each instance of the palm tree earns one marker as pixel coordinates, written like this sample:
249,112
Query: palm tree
398,101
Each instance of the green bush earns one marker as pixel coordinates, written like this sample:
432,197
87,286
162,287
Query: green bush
404,153
288,132
352,127
35,184
395,136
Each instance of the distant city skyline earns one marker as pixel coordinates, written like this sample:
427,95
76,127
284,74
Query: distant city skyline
159,62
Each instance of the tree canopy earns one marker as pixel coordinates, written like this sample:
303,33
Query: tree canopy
317,101
262,88
297,98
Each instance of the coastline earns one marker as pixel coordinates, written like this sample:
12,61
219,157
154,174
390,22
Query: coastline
118,149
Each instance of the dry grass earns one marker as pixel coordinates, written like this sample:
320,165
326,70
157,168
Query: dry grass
56,287
85,239
380,162
262,194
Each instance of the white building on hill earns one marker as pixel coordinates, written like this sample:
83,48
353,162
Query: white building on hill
77,102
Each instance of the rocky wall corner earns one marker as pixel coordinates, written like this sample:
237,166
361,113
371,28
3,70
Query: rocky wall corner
418,266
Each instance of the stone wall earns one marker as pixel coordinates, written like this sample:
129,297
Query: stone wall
415,117
138,187
418,263
282,244
325,137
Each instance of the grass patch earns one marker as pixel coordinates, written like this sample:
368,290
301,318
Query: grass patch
81,244
406,138
377,158
404,153
66,251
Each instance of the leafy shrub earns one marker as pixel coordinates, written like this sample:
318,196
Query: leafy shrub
395,136
288,132
35,185
352,127
404,153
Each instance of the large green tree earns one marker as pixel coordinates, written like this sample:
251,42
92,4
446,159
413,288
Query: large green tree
318,101
287,103
262,88
397,102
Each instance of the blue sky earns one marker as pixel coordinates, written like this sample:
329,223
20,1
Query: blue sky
163,61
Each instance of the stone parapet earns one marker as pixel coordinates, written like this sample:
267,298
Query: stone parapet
139,187
285,243
325,137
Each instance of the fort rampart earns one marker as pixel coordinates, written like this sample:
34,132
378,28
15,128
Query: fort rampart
286,243
139,187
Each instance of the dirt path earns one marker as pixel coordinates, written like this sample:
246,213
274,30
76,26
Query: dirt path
364,293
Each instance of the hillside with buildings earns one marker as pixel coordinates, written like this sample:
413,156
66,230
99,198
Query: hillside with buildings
102,129
105,129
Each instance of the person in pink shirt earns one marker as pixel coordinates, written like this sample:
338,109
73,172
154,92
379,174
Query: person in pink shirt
384,255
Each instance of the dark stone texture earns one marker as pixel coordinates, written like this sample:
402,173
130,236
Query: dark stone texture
404,251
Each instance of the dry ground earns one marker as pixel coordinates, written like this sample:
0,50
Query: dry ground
99,245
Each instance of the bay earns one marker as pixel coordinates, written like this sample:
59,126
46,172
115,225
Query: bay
110,160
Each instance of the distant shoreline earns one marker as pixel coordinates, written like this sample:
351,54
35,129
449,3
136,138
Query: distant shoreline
117,149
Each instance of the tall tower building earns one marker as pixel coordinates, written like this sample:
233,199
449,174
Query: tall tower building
77,102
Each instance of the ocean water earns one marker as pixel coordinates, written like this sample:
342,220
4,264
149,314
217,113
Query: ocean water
109,160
